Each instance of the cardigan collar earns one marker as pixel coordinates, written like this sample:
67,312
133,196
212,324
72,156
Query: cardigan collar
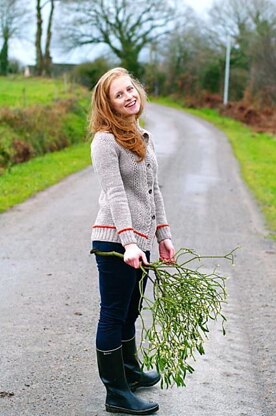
145,134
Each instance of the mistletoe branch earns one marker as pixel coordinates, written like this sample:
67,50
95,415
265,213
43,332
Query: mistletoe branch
183,302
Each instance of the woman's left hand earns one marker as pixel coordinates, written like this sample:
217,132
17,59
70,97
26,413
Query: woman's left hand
167,251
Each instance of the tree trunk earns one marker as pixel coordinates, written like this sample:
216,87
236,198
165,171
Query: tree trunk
129,60
47,56
39,54
4,62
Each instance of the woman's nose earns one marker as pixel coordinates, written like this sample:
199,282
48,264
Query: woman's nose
128,95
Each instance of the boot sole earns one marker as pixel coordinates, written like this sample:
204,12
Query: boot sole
114,409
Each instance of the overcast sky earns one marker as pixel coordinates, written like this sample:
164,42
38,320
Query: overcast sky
24,50
200,6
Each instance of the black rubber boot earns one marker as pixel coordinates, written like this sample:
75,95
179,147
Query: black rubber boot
119,398
134,375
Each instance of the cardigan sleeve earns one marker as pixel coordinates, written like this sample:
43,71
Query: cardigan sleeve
162,227
105,159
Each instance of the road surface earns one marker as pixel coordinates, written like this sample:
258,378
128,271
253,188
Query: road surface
49,294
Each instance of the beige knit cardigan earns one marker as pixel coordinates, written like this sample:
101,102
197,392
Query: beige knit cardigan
131,205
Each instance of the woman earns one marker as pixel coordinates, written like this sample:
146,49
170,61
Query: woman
131,214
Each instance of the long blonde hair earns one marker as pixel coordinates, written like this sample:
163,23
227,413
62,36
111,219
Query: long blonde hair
104,118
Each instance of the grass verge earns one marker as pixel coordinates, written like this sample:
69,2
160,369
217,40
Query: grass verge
18,91
256,153
26,179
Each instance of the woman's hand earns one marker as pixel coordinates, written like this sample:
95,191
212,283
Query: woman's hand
133,256
167,251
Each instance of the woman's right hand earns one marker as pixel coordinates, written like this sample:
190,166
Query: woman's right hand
133,256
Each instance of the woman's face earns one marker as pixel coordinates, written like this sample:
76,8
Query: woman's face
124,97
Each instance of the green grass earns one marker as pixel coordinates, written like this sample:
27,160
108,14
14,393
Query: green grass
17,91
256,153
24,180
21,181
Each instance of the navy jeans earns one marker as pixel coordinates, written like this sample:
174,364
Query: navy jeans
120,297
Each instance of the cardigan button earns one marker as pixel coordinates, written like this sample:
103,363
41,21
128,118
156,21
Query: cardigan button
150,191
148,165
153,217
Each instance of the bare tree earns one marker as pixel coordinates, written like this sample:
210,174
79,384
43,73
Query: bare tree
239,18
126,26
188,56
43,59
229,17
263,50
12,19
38,38
252,27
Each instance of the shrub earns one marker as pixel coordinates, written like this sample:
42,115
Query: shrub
6,148
22,151
33,131
88,73
15,66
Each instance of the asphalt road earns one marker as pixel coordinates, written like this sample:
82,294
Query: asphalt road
49,295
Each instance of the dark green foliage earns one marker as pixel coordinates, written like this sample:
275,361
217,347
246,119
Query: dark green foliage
89,73
212,77
14,66
4,63
154,79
